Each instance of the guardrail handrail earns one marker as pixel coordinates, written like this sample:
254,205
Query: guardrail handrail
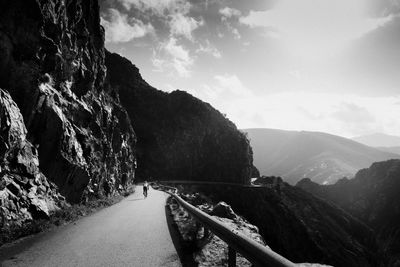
212,183
256,253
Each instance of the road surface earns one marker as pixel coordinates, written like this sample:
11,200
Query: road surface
133,232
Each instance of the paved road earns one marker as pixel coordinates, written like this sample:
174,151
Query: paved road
133,232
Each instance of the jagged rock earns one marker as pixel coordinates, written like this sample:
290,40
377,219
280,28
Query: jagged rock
52,63
23,188
223,210
195,198
209,249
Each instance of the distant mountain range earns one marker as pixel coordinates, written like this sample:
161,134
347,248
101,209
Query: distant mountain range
383,142
322,157
373,197
300,226
393,149
379,140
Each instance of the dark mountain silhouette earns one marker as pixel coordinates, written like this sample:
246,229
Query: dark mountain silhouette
300,226
378,140
179,136
322,157
373,197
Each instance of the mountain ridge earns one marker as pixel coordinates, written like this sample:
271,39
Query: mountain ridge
323,157
371,196
180,137
390,149
298,225
378,140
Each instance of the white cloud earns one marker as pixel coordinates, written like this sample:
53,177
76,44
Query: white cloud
235,33
272,34
233,85
225,87
158,63
182,25
172,57
313,28
158,7
209,93
175,13
228,12
208,48
177,51
118,28
342,114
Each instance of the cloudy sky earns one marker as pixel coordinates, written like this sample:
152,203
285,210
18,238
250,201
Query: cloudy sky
320,65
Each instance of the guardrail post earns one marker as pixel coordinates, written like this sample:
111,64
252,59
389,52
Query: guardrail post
256,253
231,257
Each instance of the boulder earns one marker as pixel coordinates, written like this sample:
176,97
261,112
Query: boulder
223,210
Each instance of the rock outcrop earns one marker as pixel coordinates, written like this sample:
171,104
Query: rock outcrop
179,136
203,248
52,65
299,226
53,62
223,210
25,193
372,196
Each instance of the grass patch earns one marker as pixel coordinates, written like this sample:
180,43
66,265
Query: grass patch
60,217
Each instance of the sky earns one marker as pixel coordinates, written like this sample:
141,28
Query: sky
317,65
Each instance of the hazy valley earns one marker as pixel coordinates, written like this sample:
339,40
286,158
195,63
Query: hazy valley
324,158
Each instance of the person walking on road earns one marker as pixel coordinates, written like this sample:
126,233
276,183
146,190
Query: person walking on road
145,188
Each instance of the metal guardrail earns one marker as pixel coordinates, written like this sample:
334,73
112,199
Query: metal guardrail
184,182
254,252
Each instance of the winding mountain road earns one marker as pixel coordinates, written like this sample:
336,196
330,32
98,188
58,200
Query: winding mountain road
133,232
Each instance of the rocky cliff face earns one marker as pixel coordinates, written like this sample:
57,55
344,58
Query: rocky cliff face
52,65
300,226
373,196
179,136
71,121
25,193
